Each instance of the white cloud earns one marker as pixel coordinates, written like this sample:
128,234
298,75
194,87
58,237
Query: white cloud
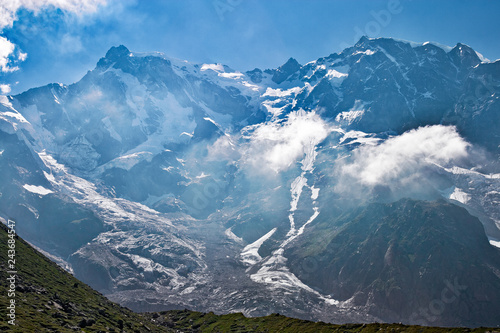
8,10
6,50
223,149
400,163
4,88
22,56
278,145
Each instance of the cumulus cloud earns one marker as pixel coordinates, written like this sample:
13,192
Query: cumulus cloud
277,145
401,163
4,88
6,51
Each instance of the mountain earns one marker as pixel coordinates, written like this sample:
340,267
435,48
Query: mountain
50,299
381,251
168,185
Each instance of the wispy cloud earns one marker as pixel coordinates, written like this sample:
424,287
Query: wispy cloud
278,145
70,44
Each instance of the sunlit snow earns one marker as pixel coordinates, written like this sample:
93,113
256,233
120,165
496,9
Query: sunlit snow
214,67
460,196
37,189
250,254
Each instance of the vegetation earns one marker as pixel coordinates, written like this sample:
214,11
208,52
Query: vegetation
190,321
48,299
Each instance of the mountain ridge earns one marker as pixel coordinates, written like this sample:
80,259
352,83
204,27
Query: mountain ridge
196,182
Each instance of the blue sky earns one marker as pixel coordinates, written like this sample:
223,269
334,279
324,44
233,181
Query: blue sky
63,43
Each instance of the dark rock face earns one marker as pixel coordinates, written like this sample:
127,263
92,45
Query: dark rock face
286,70
411,261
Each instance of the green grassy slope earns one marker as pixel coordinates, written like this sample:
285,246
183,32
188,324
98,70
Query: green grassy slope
48,299
190,321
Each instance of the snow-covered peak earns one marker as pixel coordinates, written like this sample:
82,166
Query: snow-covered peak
445,48
461,48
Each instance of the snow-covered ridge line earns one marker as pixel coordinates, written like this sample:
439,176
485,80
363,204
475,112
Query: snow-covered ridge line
460,171
85,193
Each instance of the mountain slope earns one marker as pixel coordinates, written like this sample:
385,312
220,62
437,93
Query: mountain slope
49,299
371,258
189,321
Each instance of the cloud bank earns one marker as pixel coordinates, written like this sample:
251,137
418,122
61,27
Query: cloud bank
401,163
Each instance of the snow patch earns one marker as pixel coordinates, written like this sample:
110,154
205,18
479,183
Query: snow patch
273,110
250,254
460,196
14,115
233,76
482,57
143,263
349,116
210,120
37,189
355,113
332,73
188,290
281,93
359,137
126,162
252,87
315,193
297,186
230,234
461,171
214,67
495,243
